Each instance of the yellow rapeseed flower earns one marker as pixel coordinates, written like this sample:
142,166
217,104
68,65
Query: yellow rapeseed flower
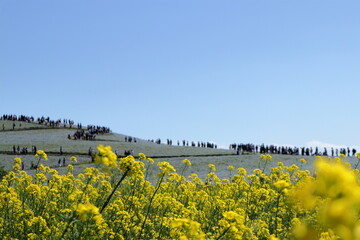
131,165
17,161
86,211
106,156
187,161
212,167
166,168
41,154
151,160
73,159
184,228
231,215
231,168
281,184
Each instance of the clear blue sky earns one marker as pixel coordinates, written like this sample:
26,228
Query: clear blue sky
276,71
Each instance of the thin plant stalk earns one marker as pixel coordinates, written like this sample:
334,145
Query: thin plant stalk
148,209
113,191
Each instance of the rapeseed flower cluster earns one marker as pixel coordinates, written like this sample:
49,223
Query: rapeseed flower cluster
117,201
106,157
41,154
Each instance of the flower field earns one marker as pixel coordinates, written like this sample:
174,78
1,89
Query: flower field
116,200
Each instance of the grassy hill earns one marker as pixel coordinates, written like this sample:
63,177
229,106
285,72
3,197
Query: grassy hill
51,139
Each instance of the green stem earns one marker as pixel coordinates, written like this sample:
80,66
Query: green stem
148,209
73,215
266,161
247,204
276,214
37,165
113,191
67,226
223,233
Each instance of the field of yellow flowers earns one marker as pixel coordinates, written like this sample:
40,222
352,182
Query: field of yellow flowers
116,201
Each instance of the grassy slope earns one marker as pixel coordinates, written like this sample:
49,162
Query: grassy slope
50,140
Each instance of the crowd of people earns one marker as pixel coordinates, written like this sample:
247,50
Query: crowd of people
90,133
40,120
98,129
130,139
81,134
286,150
24,150
22,118
186,143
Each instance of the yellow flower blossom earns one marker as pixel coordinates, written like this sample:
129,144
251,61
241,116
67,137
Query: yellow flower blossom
212,167
41,154
131,165
106,156
231,168
281,184
187,162
187,229
73,159
166,168
283,202
150,160
17,161
86,211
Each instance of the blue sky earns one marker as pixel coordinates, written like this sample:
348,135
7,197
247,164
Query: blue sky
284,72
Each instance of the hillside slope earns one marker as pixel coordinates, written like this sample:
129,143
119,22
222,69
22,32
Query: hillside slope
55,142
